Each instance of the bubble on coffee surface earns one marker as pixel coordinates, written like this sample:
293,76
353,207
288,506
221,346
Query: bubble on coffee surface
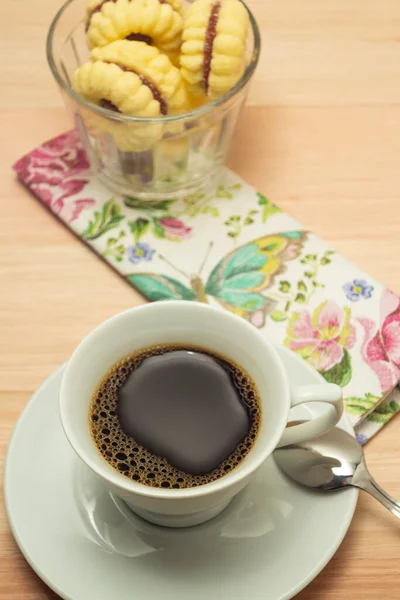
137,463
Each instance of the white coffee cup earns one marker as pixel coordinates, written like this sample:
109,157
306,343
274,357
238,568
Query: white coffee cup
217,330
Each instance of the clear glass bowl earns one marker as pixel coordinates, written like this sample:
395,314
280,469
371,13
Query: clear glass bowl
164,157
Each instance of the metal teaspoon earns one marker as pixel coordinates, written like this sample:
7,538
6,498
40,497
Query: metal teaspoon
332,462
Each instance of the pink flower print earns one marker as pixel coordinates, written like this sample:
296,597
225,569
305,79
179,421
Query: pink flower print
70,211
175,229
52,161
71,187
381,347
55,173
322,337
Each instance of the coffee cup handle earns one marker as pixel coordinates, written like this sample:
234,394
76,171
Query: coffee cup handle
329,393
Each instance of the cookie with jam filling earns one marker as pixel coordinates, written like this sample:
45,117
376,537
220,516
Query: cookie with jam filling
135,79
214,46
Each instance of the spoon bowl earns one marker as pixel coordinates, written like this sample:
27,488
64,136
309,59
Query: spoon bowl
332,462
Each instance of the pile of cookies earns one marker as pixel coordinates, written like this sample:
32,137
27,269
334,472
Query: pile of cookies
151,58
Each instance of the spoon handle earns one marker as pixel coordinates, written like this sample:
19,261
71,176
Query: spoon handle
364,480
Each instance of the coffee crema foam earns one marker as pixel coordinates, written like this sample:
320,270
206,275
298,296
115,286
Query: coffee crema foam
134,461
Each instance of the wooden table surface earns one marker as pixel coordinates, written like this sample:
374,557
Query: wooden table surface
321,136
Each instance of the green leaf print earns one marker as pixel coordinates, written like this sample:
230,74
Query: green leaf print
115,247
103,221
384,412
211,210
223,192
300,298
138,204
301,286
236,223
359,406
325,261
284,286
278,316
157,229
139,228
341,372
268,208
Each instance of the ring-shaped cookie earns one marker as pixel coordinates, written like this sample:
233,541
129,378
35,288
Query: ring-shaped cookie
156,22
131,78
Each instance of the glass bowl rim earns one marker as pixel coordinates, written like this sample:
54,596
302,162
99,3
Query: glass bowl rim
193,114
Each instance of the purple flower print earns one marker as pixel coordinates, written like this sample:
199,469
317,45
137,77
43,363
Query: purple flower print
357,289
140,252
361,438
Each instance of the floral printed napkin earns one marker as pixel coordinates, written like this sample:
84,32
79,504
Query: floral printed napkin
235,249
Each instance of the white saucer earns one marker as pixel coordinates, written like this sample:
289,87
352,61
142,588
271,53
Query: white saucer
272,540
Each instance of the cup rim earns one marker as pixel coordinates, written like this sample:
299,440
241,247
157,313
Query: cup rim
195,113
247,467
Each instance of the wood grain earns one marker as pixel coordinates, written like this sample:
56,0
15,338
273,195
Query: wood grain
321,136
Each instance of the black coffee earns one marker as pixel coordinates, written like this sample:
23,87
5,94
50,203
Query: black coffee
175,416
